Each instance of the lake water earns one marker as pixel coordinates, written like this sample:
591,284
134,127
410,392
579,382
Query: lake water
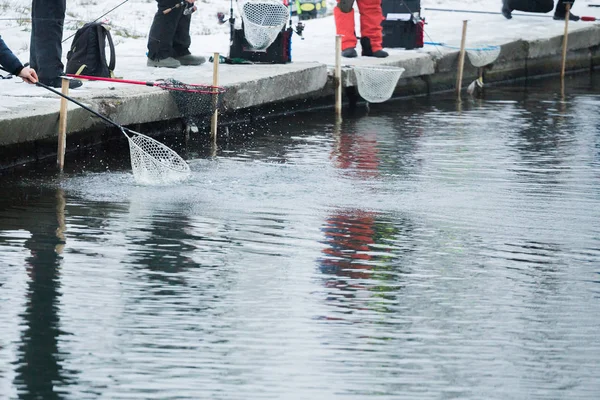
425,249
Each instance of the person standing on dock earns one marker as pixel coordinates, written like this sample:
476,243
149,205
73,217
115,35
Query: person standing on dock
45,50
539,6
370,27
169,39
11,64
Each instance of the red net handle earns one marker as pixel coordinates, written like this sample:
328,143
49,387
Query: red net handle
205,89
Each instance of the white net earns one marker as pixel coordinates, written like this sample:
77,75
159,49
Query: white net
483,56
263,20
376,84
153,163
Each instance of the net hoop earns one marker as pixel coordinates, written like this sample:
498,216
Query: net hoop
171,84
263,20
483,56
376,84
478,56
153,163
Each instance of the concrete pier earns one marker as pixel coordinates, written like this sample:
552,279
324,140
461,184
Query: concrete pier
29,114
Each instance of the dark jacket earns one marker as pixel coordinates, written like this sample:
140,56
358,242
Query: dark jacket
8,60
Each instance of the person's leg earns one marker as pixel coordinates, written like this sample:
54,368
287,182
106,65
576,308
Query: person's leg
181,38
182,41
561,10
561,7
162,32
344,25
506,9
46,38
370,27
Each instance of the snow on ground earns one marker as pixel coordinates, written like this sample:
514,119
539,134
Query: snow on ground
131,22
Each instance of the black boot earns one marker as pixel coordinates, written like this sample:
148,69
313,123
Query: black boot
506,10
380,54
365,44
561,17
57,82
350,52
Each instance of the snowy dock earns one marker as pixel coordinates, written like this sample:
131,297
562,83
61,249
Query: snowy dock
530,47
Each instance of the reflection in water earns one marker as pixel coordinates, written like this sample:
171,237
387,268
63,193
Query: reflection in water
163,252
358,260
419,252
357,152
352,237
39,374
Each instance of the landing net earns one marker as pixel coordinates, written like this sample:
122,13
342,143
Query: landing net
194,100
478,56
263,20
153,163
483,56
376,84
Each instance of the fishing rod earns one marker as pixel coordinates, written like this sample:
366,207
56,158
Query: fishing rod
583,18
189,8
40,19
412,12
109,11
299,26
231,22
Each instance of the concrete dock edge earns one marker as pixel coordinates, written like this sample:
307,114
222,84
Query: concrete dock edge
425,73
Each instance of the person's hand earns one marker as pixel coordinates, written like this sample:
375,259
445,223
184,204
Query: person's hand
29,75
190,1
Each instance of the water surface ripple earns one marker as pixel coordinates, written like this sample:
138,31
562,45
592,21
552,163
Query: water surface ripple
420,251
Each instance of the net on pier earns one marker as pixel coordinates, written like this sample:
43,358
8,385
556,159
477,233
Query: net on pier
263,20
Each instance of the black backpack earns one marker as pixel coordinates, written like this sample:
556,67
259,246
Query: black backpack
87,54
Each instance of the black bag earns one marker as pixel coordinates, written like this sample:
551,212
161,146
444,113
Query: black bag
534,6
278,52
87,55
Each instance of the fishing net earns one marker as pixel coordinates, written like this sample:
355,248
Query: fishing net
478,56
376,84
263,20
152,162
194,100
483,56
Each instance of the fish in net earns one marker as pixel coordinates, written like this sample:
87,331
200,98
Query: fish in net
479,58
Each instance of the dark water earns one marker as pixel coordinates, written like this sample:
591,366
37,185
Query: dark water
423,250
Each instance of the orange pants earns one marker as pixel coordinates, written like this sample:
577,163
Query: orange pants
370,24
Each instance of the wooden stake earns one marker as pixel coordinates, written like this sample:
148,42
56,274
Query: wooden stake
60,218
213,124
338,76
62,126
461,59
565,36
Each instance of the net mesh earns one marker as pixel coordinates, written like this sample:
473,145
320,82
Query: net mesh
153,163
263,20
194,100
483,56
376,84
